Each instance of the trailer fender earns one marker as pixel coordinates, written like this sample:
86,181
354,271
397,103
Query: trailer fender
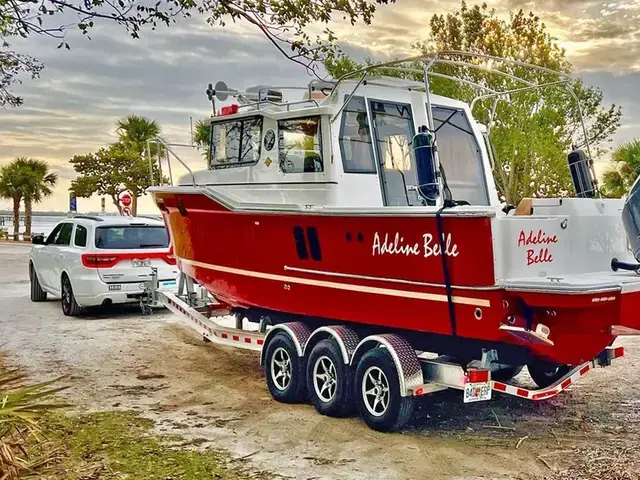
404,357
347,339
298,332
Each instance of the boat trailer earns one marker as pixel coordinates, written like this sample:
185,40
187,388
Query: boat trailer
418,372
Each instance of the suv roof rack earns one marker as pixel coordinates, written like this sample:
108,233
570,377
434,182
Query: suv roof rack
88,217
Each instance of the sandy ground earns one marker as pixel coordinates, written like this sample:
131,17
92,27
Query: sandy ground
118,359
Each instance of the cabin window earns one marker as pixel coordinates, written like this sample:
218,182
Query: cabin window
459,155
236,143
356,146
300,145
393,129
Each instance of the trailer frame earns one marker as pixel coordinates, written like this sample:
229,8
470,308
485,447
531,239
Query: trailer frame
418,372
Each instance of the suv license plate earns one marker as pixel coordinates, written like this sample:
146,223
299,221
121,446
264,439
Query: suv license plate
477,392
140,263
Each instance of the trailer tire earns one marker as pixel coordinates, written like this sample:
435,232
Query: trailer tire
325,360
284,370
37,293
546,373
376,369
507,373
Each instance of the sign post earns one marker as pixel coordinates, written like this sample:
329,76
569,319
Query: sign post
73,204
126,200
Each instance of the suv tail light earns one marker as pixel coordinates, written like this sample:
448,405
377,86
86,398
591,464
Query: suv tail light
93,260
108,260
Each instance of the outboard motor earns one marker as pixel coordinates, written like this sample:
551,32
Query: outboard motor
424,149
631,222
581,174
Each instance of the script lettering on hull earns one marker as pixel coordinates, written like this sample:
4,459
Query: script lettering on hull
427,247
537,254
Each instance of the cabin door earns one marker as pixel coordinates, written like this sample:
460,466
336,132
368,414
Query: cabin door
393,132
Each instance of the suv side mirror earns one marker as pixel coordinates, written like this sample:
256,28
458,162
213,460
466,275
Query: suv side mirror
37,240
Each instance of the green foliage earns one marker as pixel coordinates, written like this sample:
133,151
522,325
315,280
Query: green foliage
111,171
22,451
121,166
283,22
623,170
133,132
532,131
122,444
25,179
202,136
39,183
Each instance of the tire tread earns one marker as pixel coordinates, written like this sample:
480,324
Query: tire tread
37,294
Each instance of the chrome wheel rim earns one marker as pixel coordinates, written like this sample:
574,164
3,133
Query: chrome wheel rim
325,379
375,391
281,368
66,295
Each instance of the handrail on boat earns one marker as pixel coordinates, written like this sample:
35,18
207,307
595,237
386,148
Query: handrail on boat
168,150
430,59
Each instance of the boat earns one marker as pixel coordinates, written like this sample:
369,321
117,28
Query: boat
371,203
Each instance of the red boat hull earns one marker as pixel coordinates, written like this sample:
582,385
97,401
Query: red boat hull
383,271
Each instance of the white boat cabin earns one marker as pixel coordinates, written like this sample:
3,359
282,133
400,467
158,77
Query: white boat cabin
352,148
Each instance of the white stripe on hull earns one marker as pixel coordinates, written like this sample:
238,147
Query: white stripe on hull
392,292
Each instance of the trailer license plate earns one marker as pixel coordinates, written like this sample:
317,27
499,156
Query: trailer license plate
477,392
140,263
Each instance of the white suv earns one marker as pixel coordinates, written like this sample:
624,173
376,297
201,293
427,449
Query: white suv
100,260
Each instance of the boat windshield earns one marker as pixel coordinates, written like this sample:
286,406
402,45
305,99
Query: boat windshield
460,155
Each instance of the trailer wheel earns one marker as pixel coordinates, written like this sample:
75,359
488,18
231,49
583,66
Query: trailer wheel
546,373
377,390
284,370
507,373
329,380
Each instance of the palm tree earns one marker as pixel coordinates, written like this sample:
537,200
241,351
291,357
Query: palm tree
39,184
202,136
623,170
134,131
13,178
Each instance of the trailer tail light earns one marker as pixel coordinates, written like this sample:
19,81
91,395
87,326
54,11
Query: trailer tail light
92,260
477,376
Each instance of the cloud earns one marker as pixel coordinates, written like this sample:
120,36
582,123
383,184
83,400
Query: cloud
72,108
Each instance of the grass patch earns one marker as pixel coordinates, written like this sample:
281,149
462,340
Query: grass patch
121,445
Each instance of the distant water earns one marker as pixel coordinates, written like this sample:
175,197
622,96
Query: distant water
39,224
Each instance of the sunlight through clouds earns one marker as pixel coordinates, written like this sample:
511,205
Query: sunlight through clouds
72,108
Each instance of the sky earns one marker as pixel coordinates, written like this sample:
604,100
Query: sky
72,108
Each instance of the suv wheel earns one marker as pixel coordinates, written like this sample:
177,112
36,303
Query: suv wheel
69,305
37,293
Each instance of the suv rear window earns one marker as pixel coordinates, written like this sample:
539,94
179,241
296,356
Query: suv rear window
131,237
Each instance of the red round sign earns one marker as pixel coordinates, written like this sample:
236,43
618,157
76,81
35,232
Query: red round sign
126,199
